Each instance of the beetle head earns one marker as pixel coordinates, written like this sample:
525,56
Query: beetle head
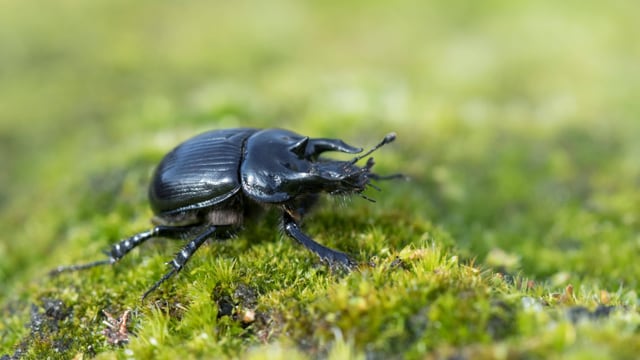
280,165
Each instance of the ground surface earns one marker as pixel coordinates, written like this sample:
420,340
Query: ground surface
517,236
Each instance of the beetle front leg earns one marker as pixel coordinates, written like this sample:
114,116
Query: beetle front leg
303,205
292,229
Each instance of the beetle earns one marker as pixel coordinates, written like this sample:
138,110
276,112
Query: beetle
208,185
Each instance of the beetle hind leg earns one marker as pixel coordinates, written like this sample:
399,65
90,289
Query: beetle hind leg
292,229
182,257
119,250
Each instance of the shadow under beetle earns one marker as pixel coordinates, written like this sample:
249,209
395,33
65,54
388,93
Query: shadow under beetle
209,184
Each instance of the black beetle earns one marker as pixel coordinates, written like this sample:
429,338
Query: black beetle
209,184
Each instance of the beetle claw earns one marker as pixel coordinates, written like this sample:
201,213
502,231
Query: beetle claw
341,262
157,284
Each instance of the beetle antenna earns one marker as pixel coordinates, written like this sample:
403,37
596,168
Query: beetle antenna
387,139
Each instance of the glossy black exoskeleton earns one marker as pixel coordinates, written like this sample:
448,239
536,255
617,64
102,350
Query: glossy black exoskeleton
208,185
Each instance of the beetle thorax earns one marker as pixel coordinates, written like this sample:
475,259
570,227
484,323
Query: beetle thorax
279,165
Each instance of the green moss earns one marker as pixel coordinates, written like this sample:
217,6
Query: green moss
515,237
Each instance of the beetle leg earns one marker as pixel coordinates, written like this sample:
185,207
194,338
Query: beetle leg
182,257
292,229
301,205
378,177
119,250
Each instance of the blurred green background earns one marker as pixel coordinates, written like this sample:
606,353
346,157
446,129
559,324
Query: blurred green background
517,121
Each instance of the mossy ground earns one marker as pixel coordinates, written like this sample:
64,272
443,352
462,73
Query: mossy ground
515,238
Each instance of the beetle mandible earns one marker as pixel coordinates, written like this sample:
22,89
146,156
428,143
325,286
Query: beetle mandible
207,186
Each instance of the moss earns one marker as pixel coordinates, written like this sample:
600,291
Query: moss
515,237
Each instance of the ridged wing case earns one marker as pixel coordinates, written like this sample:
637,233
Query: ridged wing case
200,172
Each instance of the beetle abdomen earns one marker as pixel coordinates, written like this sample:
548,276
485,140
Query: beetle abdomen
200,172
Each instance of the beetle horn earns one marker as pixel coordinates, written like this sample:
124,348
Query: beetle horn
387,139
300,148
317,146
